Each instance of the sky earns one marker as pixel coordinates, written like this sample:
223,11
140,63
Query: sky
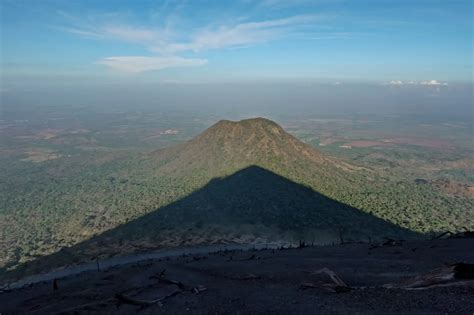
427,42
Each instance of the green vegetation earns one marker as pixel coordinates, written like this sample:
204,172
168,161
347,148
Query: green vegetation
98,184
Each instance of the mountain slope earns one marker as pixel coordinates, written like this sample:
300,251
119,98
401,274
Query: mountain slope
204,186
228,147
245,142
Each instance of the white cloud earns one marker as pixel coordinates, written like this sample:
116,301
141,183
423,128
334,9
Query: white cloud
128,33
82,32
138,64
167,44
412,82
122,33
433,82
223,37
248,33
281,4
163,40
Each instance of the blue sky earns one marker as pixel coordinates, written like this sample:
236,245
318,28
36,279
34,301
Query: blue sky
199,41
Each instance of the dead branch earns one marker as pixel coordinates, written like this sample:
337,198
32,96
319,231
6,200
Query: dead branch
199,289
465,234
336,285
309,285
392,242
453,275
252,257
161,279
327,286
249,276
159,276
334,277
180,285
128,300
469,283
441,235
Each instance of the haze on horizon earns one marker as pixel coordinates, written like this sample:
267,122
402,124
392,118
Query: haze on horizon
325,55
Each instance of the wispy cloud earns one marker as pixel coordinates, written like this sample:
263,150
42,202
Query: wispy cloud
280,4
111,26
238,35
131,34
138,64
123,33
168,44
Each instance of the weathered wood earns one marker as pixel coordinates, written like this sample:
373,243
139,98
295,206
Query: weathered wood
128,300
249,276
181,288
251,257
337,284
334,277
441,235
456,274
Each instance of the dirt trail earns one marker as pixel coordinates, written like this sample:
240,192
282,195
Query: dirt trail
260,281
129,259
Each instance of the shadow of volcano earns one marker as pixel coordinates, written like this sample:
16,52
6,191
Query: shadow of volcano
252,202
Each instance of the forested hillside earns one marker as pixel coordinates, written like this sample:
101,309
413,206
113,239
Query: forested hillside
196,192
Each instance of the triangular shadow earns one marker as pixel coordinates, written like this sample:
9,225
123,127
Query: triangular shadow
252,197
